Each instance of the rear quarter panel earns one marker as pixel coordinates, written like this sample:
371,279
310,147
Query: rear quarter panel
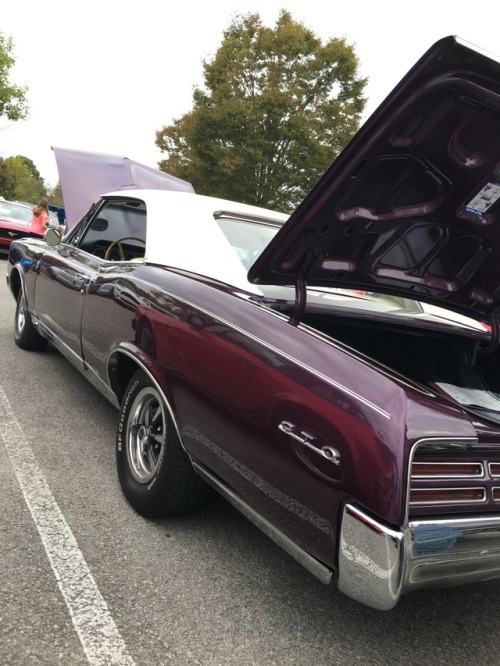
236,370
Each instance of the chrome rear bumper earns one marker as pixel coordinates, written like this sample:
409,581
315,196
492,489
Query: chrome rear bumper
377,564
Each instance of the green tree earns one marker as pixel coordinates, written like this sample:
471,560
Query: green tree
31,167
26,182
7,180
55,195
13,104
276,108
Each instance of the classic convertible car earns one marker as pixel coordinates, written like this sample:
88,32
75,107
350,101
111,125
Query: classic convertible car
288,363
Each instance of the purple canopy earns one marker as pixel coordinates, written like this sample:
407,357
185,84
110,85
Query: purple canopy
84,176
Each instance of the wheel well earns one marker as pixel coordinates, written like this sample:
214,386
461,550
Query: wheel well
15,282
121,369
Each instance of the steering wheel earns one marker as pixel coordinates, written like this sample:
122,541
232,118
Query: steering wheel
118,242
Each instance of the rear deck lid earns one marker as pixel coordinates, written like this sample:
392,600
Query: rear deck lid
411,207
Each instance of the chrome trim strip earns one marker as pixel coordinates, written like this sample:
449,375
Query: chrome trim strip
319,570
446,443
55,340
78,362
274,494
99,384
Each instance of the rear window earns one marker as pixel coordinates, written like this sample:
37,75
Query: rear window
248,238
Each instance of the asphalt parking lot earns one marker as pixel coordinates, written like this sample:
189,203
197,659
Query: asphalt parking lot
85,580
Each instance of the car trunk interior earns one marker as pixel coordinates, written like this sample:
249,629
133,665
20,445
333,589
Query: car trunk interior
421,353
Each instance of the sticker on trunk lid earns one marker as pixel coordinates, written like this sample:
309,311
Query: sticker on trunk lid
484,199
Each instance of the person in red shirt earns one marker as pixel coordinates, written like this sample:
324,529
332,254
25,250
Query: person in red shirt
40,219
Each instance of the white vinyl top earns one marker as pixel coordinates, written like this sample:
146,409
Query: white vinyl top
182,232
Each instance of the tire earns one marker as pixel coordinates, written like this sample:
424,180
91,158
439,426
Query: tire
155,473
25,334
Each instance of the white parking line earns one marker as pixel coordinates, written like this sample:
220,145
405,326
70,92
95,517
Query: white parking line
99,636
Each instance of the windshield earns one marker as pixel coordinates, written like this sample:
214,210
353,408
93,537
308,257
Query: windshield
15,211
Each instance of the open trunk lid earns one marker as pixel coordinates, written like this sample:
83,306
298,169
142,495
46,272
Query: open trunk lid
411,207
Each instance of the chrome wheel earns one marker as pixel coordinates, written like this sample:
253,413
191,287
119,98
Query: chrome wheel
154,471
21,314
26,335
146,435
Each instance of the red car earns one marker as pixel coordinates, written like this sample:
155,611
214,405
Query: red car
15,222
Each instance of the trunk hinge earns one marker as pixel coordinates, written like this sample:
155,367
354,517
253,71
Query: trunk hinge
495,333
301,287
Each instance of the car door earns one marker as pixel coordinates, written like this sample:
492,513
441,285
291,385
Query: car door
67,271
64,273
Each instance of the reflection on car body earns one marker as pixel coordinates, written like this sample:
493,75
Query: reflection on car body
333,374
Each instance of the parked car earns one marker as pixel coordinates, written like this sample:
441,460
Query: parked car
288,362
53,212
15,222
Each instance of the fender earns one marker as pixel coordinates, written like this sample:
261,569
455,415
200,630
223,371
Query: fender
119,374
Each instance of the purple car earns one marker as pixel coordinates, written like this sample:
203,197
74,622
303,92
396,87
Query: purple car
333,374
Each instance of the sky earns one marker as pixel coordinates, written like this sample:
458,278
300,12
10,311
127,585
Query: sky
105,75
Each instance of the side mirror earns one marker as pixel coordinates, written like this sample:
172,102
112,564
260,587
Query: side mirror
53,237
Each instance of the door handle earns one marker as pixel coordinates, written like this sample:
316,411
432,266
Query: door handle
308,440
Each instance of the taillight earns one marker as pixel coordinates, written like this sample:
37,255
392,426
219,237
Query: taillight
443,482
443,470
446,495
449,475
494,470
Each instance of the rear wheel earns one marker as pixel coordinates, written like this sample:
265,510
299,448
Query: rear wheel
25,334
155,473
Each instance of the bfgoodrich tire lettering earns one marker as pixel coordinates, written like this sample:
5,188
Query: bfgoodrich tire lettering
25,334
155,473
